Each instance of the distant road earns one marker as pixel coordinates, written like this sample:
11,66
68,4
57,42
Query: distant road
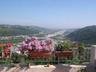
56,33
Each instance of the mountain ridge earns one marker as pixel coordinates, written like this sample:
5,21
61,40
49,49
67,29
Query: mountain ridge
13,30
85,35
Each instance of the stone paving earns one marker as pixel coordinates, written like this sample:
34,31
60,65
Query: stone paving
42,68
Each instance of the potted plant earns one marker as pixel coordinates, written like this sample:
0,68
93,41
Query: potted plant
36,48
62,49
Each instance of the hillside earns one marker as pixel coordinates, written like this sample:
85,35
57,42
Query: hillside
13,30
86,35
68,31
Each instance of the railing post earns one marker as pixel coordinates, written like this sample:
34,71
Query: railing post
93,55
92,66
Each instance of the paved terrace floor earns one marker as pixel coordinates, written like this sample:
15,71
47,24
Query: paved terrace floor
43,68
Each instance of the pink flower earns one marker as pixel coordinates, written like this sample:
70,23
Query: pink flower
43,44
34,38
34,43
49,44
38,46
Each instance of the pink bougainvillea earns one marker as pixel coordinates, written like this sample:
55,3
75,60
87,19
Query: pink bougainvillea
33,43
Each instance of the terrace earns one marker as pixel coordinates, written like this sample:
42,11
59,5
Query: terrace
49,60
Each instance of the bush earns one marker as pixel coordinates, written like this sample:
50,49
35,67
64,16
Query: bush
15,58
63,45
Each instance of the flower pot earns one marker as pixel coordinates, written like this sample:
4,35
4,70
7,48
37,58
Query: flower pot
65,53
39,54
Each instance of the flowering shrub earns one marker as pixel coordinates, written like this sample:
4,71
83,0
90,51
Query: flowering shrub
33,43
5,47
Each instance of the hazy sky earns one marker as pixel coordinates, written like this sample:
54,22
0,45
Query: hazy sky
48,13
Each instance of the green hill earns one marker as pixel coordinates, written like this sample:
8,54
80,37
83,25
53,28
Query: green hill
13,30
85,35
